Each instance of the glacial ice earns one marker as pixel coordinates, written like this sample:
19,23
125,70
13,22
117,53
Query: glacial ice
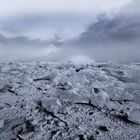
68,100
134,116
51,104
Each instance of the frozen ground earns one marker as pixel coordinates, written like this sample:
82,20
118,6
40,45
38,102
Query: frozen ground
65,101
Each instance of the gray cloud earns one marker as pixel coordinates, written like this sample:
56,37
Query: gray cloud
46,26
122,28
25,41
23,48
116,30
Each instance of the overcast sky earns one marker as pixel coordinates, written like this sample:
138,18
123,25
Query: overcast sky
40,23
12,8
46,18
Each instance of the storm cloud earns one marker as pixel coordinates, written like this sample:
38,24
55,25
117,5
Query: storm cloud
113,37
124,27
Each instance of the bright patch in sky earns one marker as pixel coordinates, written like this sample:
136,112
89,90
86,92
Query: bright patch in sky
17,7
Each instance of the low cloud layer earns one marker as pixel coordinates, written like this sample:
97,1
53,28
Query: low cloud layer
23,41
46,26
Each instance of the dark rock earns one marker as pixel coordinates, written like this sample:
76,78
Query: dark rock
103,128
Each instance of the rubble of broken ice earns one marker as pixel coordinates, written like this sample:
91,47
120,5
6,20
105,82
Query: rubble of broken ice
40,100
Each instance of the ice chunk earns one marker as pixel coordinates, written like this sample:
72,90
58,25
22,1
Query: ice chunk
26,136
67,73
51,104
134,116
79,68
118,94
73,96
62,84
1,123
57,80
65,85
100,99
5,85
48,77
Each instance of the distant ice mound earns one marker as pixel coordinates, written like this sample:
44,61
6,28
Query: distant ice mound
80,60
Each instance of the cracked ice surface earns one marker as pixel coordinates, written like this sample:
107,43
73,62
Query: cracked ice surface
61,101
